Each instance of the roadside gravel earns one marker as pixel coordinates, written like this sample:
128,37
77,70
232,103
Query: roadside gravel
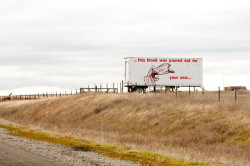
62,153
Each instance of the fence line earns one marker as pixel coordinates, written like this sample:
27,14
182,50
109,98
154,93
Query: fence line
34,96
114,88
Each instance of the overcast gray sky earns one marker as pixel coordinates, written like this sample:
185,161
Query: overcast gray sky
73,43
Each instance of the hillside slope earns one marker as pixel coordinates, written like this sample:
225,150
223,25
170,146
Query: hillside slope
192,127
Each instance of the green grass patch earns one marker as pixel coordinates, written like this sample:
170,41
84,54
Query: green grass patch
115,151
243,138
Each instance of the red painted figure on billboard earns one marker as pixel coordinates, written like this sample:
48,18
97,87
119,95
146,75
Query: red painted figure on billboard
153,73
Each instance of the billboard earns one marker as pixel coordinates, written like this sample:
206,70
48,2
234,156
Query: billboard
163,71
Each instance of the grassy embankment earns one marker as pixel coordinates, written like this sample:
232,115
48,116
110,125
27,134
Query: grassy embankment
115,151
196,128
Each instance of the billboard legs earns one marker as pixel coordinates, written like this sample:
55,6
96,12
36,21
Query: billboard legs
189,90
176,91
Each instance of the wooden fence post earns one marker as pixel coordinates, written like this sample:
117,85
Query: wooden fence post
235,94
122,86
219,93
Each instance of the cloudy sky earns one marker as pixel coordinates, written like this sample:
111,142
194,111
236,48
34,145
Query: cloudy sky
73,43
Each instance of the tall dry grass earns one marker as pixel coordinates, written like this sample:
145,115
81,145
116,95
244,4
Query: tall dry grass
193,127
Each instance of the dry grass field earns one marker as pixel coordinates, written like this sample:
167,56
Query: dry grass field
196,127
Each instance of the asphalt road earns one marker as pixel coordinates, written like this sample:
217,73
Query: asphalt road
13,156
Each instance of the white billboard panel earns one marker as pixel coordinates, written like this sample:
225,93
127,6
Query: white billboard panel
163,71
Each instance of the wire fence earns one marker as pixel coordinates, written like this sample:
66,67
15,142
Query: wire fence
35,96
113,88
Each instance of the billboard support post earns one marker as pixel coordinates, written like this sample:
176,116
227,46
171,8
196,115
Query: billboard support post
189,90
176,91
